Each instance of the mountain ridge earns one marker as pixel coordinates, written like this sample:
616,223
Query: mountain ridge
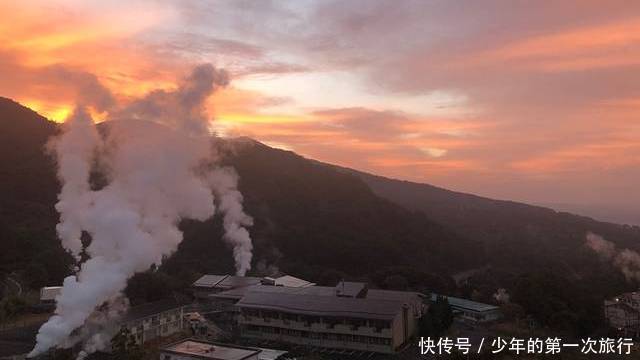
311,218
304,214
325,223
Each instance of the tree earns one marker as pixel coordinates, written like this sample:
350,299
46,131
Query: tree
512,311
125,347
11,307
437,319
396,282
149,286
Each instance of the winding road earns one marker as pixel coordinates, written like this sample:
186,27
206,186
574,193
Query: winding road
11,286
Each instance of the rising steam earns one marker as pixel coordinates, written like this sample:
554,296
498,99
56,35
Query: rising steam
223,181
628,261
152,159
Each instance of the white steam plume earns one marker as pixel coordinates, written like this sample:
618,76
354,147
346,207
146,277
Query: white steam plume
628,261
79,143
152,183
224,183
502,296
100,327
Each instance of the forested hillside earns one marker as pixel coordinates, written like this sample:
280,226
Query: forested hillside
325,223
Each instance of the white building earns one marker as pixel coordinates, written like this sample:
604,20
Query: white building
48,294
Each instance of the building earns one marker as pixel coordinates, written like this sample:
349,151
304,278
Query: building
196,349
211,284
286,280
623,313
348,316
48,294
47,301
472,311
153,320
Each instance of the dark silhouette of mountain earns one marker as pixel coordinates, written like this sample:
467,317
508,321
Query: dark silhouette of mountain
311,218
512,233
324,223
28,189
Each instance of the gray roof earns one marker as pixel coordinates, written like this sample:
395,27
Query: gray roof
225,281
232,282
322,301
292,281
235,294
465,304
209,280
351,289
271,354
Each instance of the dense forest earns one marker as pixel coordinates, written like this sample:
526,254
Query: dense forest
324,224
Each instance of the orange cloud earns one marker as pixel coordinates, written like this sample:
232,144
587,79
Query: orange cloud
36,39
601,46
531,110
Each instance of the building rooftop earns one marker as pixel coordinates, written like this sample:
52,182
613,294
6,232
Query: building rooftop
466,304
324,301
321,305
225,282
232,282
292,281
315,290
270,354
209,280
234,294
206,350
235,286
351,289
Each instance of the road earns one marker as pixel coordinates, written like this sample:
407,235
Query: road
11,286
16,285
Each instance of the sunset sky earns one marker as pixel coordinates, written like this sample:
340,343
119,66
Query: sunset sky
535,101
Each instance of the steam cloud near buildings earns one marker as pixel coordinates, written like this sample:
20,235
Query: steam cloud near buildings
628,261
159,167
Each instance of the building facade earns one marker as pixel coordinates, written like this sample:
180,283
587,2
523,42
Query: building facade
48,294
154,320
472,311
348,316
623,313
